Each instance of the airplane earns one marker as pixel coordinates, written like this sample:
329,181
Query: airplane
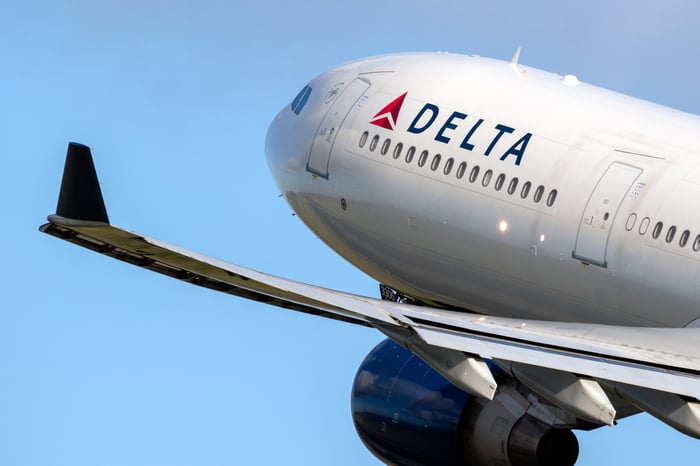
532,237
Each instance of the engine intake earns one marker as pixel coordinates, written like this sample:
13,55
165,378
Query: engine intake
408,414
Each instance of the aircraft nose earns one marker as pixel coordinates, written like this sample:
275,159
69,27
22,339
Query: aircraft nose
284,149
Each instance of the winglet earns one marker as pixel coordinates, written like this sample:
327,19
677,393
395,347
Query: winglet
80,200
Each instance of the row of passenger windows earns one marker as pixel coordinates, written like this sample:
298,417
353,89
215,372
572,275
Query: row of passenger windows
460,171
658,229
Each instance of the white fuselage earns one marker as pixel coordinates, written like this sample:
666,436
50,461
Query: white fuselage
604,240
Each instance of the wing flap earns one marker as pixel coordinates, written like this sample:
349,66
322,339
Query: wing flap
661,347
600,366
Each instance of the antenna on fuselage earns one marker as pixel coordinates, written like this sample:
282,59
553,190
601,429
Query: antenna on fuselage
514,59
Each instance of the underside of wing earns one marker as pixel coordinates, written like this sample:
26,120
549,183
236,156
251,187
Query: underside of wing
582,368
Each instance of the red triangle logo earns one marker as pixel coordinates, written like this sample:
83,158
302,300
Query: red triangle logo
387,117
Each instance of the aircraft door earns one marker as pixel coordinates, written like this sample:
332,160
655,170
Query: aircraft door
600,212
322,145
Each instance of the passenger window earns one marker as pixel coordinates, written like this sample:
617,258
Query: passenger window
670,234
474,174
373,143
385,146
552,197
363,139
448,166
684,238
436,162
644,225
512,186
461,170
539,192
499,182
526,189
410,153
423,158
657,230
631,220
487,178
397,150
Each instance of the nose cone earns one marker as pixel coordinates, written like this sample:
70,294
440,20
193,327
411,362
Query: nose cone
284,147
291,134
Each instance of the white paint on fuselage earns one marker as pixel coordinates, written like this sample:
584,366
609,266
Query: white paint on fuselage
439,238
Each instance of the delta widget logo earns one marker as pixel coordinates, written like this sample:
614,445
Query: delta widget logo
473,132
386,118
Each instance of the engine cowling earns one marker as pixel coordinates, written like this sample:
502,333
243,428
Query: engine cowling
408,414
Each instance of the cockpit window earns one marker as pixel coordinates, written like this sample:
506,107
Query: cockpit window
300,100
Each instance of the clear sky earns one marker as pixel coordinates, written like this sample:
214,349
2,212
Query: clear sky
105,364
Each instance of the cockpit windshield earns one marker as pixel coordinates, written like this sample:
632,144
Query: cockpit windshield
300,100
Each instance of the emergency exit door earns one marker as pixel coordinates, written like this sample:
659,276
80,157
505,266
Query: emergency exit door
600,212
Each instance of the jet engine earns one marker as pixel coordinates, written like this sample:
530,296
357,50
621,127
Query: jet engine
408,414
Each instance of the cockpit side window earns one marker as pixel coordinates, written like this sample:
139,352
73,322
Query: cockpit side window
300,100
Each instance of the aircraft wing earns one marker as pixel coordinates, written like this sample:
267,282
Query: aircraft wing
632,360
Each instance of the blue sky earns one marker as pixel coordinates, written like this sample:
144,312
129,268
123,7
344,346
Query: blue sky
104,364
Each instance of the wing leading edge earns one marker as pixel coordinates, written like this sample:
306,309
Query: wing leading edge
655,369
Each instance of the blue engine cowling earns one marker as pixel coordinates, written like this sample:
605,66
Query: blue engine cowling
408,414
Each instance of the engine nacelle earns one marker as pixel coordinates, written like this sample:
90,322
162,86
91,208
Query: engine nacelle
408,414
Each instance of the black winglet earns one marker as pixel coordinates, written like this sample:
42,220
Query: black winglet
80,198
